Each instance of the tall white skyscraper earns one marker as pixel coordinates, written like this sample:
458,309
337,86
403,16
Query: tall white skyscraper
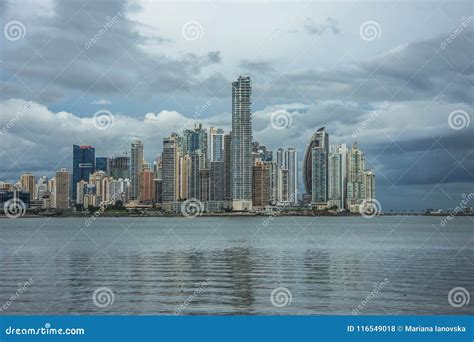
241,148
288,160
337,168
369,185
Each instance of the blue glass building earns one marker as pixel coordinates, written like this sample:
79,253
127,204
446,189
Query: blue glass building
101,164
83,164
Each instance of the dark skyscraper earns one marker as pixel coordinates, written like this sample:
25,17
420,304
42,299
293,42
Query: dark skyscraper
227,166
83,164
241,148
119,167
216,181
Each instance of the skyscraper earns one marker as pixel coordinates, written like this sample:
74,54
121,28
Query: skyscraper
83,165
227,166
27,181
194,140
241,149
319,167
101,164
147,186
197,164
216,137
136,166
119,167
204,185
62,189
170,171
369,185
41,187
337,169
216,181
261,184
292,166
281,158
355,177
316,139
184,177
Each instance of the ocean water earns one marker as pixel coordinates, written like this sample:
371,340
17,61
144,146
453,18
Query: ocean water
237,265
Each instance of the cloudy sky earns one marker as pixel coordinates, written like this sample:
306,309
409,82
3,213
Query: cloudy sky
395,76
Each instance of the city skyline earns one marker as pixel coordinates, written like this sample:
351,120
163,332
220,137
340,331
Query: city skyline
395,94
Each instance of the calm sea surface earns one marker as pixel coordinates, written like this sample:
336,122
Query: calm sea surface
383,265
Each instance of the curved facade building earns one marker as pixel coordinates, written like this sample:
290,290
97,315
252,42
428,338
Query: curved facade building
320,138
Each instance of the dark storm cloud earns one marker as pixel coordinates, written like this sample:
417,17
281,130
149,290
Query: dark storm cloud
259,67
420,70
445,159
93,47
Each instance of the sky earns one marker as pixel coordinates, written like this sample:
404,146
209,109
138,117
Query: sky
395,76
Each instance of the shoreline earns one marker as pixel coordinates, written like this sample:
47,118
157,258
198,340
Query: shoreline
236,214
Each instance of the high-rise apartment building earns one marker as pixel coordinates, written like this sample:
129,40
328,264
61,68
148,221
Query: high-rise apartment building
41,187
197,164
369,185
28,183
136,166
292,166
170,170
184,176
355,177
241,148
147,186
62,189
337,169
227,166
261,187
